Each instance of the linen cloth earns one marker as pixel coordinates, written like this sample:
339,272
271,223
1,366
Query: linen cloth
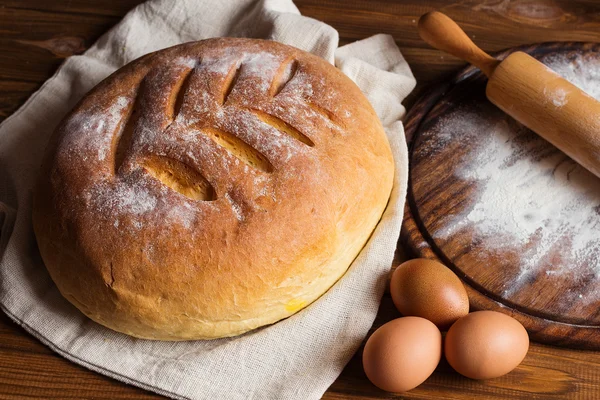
297,358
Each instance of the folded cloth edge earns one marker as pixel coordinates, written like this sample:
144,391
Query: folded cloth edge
397,129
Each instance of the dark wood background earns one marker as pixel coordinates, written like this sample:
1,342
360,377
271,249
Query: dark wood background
35,36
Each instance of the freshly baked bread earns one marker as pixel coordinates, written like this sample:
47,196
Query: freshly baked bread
210,188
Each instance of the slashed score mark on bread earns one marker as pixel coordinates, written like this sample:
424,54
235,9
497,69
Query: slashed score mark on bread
210,188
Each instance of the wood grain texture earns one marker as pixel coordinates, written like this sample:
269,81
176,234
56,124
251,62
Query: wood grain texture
29,27
558,308
554,108
442,33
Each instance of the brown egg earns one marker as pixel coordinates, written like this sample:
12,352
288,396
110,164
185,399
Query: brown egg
425,288
486,344
402,354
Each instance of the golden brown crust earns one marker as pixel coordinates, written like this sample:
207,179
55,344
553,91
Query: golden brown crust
210,188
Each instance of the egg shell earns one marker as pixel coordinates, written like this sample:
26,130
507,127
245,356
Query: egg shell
428,289
402,354
486,344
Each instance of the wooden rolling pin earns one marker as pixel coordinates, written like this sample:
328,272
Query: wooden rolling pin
528,91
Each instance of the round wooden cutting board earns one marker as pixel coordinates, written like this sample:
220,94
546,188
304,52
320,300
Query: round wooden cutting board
514,217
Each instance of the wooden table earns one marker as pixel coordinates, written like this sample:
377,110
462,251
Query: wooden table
35,36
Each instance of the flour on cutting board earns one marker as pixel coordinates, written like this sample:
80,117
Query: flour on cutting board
531,196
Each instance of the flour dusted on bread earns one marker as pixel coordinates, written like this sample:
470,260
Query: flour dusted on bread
210,188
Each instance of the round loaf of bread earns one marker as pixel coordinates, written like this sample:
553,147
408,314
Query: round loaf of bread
210,188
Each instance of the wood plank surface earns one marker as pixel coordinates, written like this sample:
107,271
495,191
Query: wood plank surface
35,36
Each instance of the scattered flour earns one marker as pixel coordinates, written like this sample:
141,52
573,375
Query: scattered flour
91,129
124,198
529,195
141,203
134,203
237,210
262,64
559,97
184,213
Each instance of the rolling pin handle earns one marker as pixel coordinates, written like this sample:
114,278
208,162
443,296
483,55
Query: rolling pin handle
444,34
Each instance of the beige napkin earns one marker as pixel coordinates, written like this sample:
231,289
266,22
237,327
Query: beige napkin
297,358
